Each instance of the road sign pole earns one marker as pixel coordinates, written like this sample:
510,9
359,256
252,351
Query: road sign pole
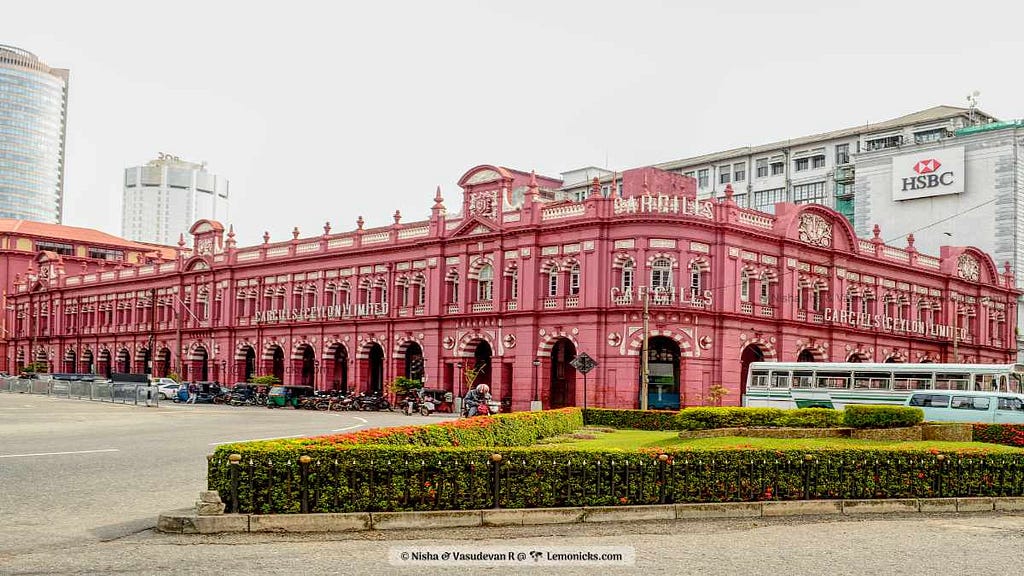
584,390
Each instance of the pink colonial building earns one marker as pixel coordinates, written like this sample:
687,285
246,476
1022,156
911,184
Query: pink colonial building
515,284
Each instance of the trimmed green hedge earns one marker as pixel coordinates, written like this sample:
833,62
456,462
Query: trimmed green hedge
1008,434
631,419
346,478
809,418
872,416
726,417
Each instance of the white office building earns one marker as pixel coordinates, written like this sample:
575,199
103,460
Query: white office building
820,168
166,196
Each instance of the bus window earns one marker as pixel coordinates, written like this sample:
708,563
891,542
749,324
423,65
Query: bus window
970,403
952,381
930,400
831,380
984,382
759,379
1002,383
912,382
780,379
1015,384
871,380
802,380
1013,404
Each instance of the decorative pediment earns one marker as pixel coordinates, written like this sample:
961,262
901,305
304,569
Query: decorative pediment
967,267
474,226
196,264
815,230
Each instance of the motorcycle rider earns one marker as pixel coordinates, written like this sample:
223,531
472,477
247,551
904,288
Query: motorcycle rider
477,396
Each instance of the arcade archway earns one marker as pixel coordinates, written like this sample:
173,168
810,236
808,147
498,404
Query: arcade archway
663,373
562,379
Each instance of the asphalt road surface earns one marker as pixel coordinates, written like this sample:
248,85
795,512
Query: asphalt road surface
81,485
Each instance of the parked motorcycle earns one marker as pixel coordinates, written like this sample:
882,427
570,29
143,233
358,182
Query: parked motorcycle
369,402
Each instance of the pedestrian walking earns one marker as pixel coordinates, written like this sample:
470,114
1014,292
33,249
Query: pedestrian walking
193,391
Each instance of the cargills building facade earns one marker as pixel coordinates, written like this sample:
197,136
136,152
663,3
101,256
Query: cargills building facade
33,118
511,284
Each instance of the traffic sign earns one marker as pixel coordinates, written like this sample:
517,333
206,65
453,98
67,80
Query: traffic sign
583,363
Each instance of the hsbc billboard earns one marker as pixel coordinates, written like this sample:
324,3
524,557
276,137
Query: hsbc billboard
931,173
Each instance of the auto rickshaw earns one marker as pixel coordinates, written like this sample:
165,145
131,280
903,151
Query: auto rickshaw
281,396
434,400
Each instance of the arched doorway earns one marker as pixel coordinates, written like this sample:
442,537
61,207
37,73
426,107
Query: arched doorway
275,359
87,365
338,368
663,374
70,361
103,364
805,356
199,365
752,353
163,363
142,362
307,366
376,368
414,362
42,362
245,364
478,370
124,361
562,391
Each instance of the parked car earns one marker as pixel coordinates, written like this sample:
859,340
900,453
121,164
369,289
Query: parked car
969,406
167,391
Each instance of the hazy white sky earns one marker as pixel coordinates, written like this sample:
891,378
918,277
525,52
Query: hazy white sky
326,111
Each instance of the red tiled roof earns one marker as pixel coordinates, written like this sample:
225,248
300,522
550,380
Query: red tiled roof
79,235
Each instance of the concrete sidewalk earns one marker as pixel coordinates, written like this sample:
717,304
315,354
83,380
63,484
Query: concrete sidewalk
188,522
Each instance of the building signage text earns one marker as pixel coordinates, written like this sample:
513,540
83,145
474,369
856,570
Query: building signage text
928,173
889,323
660,296
322,312
664,204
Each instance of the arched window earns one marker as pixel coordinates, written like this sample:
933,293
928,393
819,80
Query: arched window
574,279
696,281
365,292
513,283
866,300
818,289
628,271
552,281
421,290
744,286
453,287
485,284
766,288
661,273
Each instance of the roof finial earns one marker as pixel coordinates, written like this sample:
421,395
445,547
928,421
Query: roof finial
360,222
728,192
595,187
231,236
532,192
646,189
877,231
295,233
910,240
327,228
181,240
266,237
1006,267
437,197
615,187
398,216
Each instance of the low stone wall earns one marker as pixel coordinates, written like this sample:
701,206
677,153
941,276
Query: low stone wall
953,432
768,433
911,434
940,432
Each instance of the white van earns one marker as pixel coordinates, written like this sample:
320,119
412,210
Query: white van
969,406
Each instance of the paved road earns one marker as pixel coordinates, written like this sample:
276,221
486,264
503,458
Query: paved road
91,512
74,471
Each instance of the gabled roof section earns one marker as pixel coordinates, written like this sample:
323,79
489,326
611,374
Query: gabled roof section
75,234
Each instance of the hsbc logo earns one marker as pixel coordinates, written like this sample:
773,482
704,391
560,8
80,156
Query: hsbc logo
927,176
927,172
927,166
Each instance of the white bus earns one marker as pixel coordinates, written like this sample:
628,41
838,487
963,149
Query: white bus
836,384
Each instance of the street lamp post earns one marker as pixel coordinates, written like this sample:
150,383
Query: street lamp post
458,399
536,405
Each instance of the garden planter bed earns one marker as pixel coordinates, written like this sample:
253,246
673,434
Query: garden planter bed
941,432
768,433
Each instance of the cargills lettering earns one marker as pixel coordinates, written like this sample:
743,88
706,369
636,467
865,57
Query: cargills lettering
322,312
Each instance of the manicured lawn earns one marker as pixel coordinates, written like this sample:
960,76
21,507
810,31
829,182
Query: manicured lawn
634,439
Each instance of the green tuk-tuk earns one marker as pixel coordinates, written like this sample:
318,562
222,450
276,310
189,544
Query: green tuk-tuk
281,396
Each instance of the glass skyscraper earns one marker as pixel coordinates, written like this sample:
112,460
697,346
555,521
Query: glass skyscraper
33,117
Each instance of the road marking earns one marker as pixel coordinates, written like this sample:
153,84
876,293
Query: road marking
256,439
363,420
58,453
347,428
